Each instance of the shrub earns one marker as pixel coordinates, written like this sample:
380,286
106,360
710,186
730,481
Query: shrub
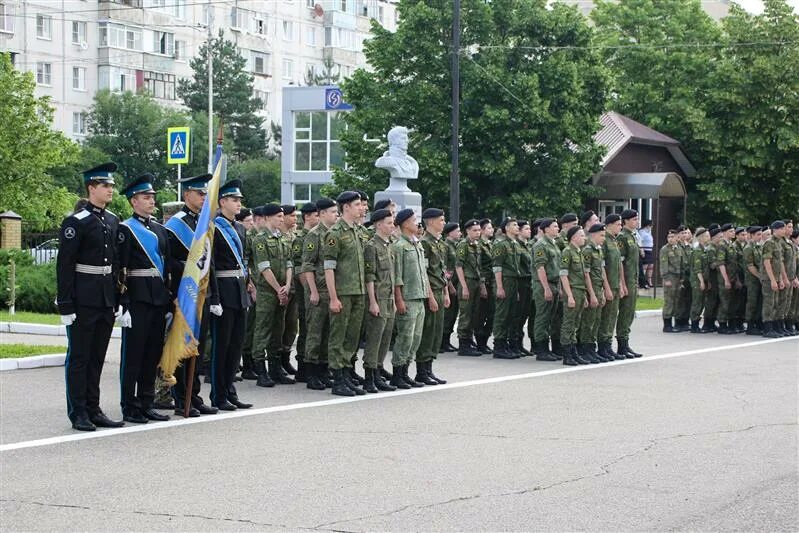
36,284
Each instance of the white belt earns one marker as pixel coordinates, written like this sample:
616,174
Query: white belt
144,273
93,269
238,273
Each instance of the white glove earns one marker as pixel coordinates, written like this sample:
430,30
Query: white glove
118,312
168,318
67,320
215,310
125,321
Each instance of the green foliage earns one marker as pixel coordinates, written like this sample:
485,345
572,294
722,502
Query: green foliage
29,317
330,75
35,284
28,149
260,180
234,102
527,115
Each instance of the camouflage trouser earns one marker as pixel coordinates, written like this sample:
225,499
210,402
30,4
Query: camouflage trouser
627,309
726,299
670,297
318,320
786,301
711,303
487,307
572,317
771,302
163,392
302,332
345,331
697,302
291,323
589,323
522,311
269,324
607,318
754,300
432,329
378,335
543,327
451,313
469,312
409,332
249,332
794,314
506,309
684,299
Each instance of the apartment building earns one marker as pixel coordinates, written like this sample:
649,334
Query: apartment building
76,47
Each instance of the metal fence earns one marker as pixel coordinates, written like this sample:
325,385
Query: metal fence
42,245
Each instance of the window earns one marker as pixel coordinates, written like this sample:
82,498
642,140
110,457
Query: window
44,72
380,14
79,123
175,8
6,18
44,26
310,3
240,18
119,36
160,85
261,63
310,35
343,5
79,78
307,192
163,43
180,49
205,18
116,78
259,24
317,145
288,69
78,32
263,96
339,38
288,30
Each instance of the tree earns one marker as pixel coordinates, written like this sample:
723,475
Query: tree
330,75
131,130
260,180
529,106
234,102
29,148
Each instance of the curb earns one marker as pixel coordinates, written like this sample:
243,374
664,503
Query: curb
44,329
649,313
36,361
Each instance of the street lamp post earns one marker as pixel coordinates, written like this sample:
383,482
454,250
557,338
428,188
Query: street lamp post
454,178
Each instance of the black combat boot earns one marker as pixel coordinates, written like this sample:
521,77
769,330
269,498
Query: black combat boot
596,353
432,375
412,382
502,350
569,358
786,329
585,353
302,372
386,375
277,375
667,327
312,373
556,349
522,350
630,350
285,362
467,349
623,349
694,326
422,376
752,329
513,348
397,380
263,377
340,387
482,345
381,383
542,352
355,387
369,381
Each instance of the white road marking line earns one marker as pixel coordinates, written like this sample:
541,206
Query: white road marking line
338,401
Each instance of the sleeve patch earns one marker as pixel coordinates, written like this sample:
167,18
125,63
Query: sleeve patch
310,246
331,241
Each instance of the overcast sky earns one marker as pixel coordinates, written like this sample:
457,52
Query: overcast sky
756,6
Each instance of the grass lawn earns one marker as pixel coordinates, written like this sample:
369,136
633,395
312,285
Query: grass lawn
34,318
645,303
26,350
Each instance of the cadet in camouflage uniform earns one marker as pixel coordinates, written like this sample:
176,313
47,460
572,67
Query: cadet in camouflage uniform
683,313
411,289
288,229
487,304
452,235
615,276
739,303
344,274
772,280
435,253
794,316
546,292
310,218
365,234
506,278
752,258
723,258
275,271
379,272
536,235
789,268
572,280
671,269
700,277
472,288
630,255
525,287
317,299
597,289
247,367
712,293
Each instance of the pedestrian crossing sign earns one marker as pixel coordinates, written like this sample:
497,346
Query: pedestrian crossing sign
178,143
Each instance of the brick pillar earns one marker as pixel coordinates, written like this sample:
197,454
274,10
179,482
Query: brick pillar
10,230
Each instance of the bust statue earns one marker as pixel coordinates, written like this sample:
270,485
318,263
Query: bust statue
400,165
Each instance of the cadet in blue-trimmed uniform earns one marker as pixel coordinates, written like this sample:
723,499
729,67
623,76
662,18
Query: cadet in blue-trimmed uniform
86,272
181,232
228,304
143,259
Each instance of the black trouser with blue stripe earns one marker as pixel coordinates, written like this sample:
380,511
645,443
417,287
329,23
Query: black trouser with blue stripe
142,344
181,377
227,338
87,341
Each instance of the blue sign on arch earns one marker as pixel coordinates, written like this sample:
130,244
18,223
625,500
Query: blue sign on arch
334,100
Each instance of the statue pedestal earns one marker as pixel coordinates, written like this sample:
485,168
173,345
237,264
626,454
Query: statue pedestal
405,199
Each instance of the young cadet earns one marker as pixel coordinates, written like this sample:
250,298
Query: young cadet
379,268
288,230
247,218
790,279
228,305
310,218
598,289
452,236
738,308
683,313
487,304
572,280
752,257
722,259
411,289
344,275
143,259
273,279
181,232
317,299
700,278
794,316
772,280
471,286
712,293
630,256
435,253
671,269
86,269
618,288
546,292
536,235
506,278
525,287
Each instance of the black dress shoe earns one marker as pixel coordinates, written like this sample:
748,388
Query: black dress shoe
205,409
151,414
240,404
193,413
101,421
135,418
225,406
82,423
167,406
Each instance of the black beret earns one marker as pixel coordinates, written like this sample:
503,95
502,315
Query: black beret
270,210
362,195
739,230
523,223
471,223
325,203
546,222
432,212
402,216
795,234
568,217
258,211
754,229
571,231
484,222
310,207
726,227
681,228
384,203
627,214
505,222
777,224
787,221
449,227
244,213
700,231
347,197
715,231
596,228
713,226
288,209
535,224
585,216
379,214
367,224
672,232
611,218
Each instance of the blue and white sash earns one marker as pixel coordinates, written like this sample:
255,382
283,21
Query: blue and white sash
232,239
181,230
148,241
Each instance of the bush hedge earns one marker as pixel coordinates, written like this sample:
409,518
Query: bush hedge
36,284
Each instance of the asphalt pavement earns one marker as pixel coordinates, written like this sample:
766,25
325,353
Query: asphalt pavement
699,434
